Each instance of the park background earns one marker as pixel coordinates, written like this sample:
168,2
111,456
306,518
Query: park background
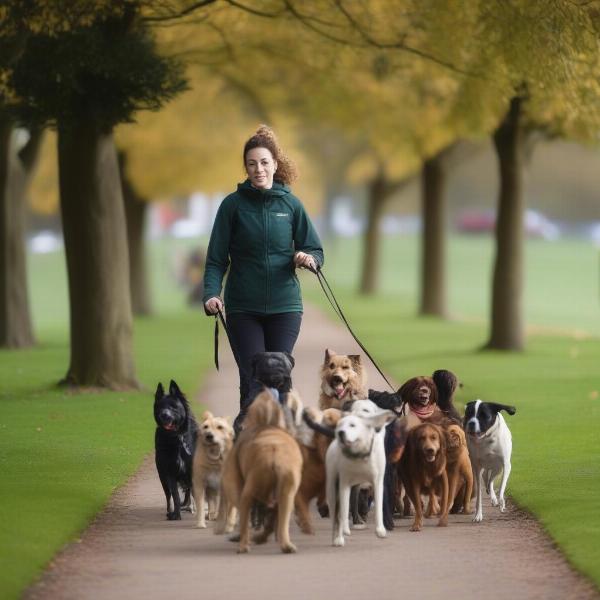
413,124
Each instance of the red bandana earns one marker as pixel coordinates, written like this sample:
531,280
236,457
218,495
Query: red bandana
423,412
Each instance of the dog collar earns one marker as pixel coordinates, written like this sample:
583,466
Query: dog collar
492,429
425,412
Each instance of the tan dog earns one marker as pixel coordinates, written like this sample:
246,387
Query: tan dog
313,467
423,470
215,439
458,466
343,378
264,465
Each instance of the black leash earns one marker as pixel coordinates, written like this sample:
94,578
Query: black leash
338,311
219,317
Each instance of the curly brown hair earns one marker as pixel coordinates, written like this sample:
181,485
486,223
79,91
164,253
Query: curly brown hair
265,138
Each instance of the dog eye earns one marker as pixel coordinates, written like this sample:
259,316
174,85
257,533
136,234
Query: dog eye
332,366
220,427
346,366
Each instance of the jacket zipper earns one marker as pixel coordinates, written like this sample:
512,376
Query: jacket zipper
266,202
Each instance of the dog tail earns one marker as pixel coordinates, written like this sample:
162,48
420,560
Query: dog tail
322,429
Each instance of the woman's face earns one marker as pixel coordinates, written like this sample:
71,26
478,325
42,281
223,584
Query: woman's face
260,168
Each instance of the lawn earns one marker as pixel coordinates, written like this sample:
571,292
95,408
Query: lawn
62,455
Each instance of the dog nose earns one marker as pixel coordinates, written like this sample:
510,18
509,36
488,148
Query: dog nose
336,379
209,437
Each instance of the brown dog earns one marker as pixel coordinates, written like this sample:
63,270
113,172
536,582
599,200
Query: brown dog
343,378
264,465
215,439
313,468
458,466
423,470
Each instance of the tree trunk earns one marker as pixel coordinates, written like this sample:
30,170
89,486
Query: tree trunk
135,213
16,329
369,281
433,240
507,327
97,259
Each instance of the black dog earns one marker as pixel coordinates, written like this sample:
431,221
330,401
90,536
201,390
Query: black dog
175,442
274,370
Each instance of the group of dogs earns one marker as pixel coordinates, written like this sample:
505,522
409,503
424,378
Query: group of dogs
359,450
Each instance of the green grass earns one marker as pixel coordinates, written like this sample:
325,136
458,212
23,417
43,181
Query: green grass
554,384
61,454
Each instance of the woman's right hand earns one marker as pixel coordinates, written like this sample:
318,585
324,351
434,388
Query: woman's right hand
214,305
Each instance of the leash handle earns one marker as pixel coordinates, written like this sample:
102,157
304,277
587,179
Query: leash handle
338,310
219,317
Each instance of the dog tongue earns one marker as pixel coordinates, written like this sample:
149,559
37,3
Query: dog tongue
339,390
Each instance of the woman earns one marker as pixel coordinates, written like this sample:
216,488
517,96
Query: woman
261,234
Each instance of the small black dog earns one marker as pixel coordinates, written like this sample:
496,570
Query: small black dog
175,442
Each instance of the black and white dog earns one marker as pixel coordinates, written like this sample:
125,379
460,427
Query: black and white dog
490,448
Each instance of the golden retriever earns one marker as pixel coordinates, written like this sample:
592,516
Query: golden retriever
423,470
215,439
343,378
264,465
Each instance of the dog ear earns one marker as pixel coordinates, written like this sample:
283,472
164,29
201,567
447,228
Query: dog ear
328,354
174,389
355,360
380,419
291,359
496,407
207,415
160,392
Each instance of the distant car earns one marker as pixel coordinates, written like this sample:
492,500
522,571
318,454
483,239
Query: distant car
536,224
44,242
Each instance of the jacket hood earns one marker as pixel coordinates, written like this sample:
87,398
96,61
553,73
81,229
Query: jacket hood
278,189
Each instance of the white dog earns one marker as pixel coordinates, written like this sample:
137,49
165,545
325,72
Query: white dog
356,456
490,448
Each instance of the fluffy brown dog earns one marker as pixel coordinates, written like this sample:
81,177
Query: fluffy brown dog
343,378
264,465
423,470
215,439
313,468
458,466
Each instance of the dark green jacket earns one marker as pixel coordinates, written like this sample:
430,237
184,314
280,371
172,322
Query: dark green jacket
255,235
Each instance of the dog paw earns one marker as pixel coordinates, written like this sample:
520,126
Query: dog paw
338,541
173,516
502,506
381,532
478,518
443,523
494,501
243,550
234,538
361,525
415,528
201,526
288,548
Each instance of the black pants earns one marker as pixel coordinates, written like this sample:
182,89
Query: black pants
252,333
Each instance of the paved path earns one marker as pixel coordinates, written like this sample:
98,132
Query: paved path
132,552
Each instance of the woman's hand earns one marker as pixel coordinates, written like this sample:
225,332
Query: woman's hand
307,261
214,305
